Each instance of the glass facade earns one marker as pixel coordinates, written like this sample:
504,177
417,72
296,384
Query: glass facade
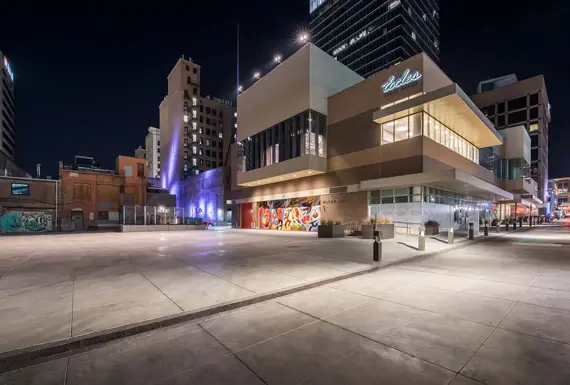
302,134
424,124
369,36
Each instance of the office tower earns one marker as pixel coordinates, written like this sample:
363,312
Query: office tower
508,102
195,130
370,36
7,110
152,153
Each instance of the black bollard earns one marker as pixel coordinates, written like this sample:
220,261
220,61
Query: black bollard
507,223
514,225
377,246
486,229
471,231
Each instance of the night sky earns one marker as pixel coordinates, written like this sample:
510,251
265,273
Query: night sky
91,84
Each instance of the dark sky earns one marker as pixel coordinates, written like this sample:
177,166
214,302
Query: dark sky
91,83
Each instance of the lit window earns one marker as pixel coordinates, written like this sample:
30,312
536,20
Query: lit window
20,189
436,44
235,125
196,172
413,35
533,127
194,114
186,118
185,167
194,150
194,98
194,138
220,135
201,130
424,17
194,162
235,114
194,126
207,142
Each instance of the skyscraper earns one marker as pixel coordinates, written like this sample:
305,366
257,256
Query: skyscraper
7,111
195,130
369,36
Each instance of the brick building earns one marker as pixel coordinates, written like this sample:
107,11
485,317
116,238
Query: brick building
92,197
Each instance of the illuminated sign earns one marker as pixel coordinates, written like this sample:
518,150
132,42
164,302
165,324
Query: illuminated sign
351,42
393,83
8,69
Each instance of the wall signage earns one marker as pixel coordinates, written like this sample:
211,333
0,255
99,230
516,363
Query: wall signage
8,69
351,42
407,78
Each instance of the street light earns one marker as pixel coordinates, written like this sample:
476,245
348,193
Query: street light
277,59
240,88
303,37
257,75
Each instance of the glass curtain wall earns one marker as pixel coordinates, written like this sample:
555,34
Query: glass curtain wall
302,134
424,124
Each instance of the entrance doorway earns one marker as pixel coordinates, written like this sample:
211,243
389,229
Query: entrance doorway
77,220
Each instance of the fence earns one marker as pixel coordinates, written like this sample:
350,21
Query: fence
157,215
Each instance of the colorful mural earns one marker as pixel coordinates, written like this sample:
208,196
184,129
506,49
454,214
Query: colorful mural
25,222
297,214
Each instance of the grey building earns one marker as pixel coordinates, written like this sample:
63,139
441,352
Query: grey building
370,36
508,102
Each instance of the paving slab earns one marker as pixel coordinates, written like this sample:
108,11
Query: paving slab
476,308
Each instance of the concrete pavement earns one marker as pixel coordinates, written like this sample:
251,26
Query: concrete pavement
55,287
494,313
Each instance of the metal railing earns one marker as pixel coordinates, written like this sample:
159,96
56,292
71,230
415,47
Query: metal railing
157,215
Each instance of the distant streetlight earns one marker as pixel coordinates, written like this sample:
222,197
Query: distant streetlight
240,88
257,75
303,37
277,58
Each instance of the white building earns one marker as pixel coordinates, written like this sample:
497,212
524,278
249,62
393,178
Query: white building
152,144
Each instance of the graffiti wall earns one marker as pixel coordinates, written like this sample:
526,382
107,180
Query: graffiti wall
25,222
297,214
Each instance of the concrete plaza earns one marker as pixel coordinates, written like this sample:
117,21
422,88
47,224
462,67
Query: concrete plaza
493,312
54,287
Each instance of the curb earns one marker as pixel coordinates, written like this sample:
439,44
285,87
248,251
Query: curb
28,356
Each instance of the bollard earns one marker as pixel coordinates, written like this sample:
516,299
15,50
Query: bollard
498,225
507,223
520,223
514,225
471,231
422,239
450,236
530,221
377,246
486,229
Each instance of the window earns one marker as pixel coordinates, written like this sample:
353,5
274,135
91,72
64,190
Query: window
186,96
201,162
185,167
185,155
534,141
533,99
194,126
208,121
201,119
415,125
195,91
128,170
221,114
188,80
196,172
185,105
194,113
81,191
533,127
194,149
194,138
185,130
21,189
194,100
207,152
201,130
214,132
214,112
414,35
195,70
388,133
186,118
401,129
208,142
220,135
201,140
208,164
501,121
214,123
213,143
220,144
140,170
185,142
214,165
187,67
194,162
221,155
501,108
103,216
534,154
200,152
517,117
533,113
489,110
208,110
517,104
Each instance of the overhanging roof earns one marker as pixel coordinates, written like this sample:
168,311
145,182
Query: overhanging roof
452,107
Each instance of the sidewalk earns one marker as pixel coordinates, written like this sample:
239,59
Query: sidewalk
79,286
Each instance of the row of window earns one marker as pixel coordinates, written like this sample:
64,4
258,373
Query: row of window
201,152
416,194
207,132
424,124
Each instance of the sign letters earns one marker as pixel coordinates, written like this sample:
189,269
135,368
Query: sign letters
393,83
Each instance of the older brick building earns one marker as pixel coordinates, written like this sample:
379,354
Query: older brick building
92,198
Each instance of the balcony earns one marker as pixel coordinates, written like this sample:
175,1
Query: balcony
300,167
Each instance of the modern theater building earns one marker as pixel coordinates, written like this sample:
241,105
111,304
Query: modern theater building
317,142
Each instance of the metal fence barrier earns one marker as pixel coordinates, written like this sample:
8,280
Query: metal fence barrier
157,215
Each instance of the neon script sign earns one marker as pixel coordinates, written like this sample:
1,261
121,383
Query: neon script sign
392,84
8,69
